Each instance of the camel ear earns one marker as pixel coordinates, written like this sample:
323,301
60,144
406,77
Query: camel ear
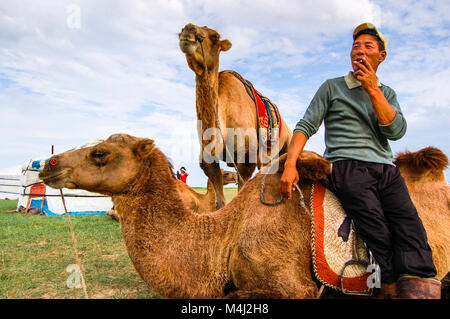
225,45
143,147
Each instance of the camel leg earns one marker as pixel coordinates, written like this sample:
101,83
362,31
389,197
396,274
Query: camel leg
303,288
245,170
214,174
278,278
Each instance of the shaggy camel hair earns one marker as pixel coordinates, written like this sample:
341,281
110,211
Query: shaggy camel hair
232,105
198,202
245,249
423,172
203,203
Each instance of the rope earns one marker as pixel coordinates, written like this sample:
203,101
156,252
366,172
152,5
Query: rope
302,198
278,201
25,186
68,195
74,242
263,186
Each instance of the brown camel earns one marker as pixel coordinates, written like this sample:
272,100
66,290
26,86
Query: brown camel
203,203
198,202
227,105
423,172
229,177
245,249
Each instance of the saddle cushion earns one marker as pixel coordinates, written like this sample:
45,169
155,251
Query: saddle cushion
269,119
334,242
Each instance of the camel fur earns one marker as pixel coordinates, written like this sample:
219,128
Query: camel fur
230,105
203,203
198,202
244,249
423,172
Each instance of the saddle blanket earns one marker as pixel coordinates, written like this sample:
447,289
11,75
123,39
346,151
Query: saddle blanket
269,118
334,243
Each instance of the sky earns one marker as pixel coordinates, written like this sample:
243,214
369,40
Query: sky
74,71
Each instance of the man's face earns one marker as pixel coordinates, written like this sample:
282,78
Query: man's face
366,47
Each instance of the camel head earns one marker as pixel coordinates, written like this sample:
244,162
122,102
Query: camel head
107,168
229,177
190,38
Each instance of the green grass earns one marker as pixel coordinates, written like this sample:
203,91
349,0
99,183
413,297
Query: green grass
36,250
8,205
229,192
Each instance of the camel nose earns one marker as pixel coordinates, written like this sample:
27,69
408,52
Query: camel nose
51,164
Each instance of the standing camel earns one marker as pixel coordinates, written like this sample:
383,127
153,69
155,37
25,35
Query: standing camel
222,100
245,249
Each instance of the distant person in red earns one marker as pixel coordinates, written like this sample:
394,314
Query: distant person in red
183,174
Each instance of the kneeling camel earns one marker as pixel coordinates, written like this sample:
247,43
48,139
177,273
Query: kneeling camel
245,249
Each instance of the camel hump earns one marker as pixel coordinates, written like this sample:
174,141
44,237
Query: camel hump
429,158
310,165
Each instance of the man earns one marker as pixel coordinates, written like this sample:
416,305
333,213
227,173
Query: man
360,116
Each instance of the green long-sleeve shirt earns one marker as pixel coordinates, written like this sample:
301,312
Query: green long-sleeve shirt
352,130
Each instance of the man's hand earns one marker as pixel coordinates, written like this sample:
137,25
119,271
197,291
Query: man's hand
366,75
290,176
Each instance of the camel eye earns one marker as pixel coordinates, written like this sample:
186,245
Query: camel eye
99,156
214,37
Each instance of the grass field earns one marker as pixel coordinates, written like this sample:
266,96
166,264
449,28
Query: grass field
35,252
8,205
228,192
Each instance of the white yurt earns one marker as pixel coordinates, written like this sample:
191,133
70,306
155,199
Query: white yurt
10,184
31,192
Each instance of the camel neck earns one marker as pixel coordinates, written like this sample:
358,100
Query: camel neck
158,228
156,192
207,109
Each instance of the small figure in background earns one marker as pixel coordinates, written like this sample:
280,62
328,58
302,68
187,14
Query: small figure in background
183,174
